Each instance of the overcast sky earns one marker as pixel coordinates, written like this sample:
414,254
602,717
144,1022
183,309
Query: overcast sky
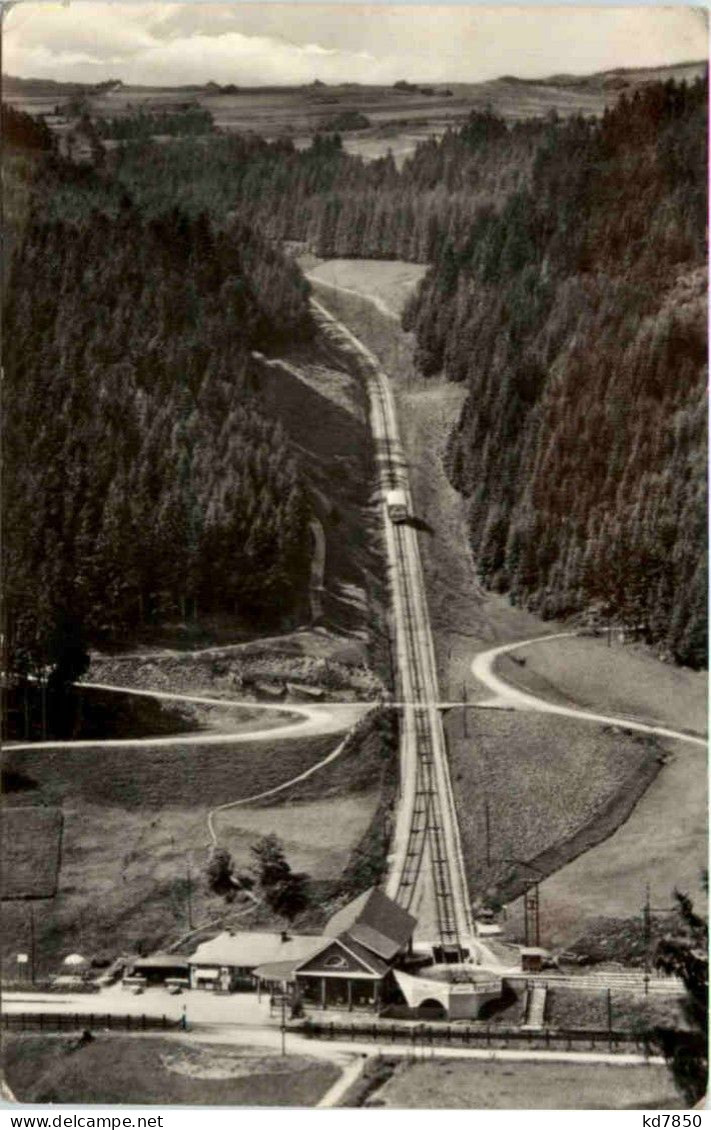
253,44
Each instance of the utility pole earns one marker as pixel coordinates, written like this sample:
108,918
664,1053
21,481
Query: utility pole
283,1024
609,1015
43,697
487,818
32,944
647,936
465,722
531,903
190,902
647,911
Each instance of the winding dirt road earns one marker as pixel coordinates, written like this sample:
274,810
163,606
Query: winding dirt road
510,697
300,721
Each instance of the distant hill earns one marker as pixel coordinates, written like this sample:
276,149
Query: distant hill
618,77
600,80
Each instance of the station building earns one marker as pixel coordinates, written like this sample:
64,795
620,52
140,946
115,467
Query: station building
228,962
351,965
363,960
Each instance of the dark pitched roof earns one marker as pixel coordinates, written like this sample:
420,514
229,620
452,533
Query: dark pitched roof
374,940
365,955
375,921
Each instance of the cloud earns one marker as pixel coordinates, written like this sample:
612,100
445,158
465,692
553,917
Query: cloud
275,43
247,60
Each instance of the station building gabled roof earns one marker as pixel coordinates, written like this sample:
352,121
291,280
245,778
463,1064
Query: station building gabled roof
374,921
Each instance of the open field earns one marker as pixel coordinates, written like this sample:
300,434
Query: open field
533,1086
306,830
30,852
387,283
396,119
544,780
136,840
114,1070
134,880
616,679
130,881
160,777
573,1008
663,843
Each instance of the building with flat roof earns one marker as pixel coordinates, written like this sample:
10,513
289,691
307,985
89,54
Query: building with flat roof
159,968
228,962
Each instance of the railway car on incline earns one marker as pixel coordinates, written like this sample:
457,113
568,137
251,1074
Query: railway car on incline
396,502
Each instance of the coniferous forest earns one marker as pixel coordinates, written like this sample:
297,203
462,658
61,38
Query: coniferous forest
576,315
142,478
566,290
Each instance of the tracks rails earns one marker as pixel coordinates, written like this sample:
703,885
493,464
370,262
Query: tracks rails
426,838
426,835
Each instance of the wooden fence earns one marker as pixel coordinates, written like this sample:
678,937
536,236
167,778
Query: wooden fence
469,1036
79,1021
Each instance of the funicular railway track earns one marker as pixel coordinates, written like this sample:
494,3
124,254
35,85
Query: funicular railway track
426,842
426,817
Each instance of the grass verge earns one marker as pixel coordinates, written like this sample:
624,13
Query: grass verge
614,679
31,842
573,1008
549,787
470,1084
116,1070
160,777
378,1069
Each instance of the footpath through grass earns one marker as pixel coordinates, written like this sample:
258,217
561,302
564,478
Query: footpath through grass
167,776
135,840
128,1069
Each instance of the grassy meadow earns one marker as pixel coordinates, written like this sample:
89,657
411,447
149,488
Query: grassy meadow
544,779
161,777
533,1086
136,842
115,1069
614,679
135,839
30,852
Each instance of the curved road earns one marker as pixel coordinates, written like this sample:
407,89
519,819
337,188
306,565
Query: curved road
510,696
328,718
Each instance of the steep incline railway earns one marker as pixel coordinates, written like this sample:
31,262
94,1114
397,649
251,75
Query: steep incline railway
426,861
